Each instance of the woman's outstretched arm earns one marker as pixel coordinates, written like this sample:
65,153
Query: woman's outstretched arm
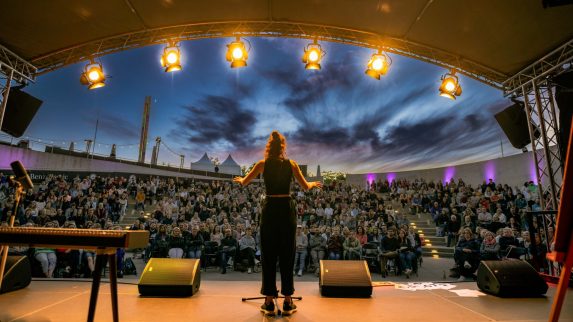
300,178
255,171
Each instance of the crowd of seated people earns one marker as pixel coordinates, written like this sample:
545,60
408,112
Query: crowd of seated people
88,203
486,222
216,221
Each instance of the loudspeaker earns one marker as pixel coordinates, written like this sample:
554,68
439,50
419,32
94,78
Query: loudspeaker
20,110
170,277
17,275
513,122
510,278
564,100
345,278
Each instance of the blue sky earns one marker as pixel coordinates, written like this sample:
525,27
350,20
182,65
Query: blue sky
336,117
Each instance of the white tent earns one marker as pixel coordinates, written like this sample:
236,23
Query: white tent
203,164
230,166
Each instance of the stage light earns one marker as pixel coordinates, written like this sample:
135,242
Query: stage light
450,87
93,76
171,58
378,65
313,54
237,54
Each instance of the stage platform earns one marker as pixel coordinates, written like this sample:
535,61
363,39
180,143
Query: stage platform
67,301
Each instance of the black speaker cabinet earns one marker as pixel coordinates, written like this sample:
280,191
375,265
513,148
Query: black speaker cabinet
20,110
170,277
17,274
345,279
513,122
510,278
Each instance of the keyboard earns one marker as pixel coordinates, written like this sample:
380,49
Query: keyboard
73,238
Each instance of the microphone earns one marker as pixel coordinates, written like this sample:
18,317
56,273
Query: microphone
21,175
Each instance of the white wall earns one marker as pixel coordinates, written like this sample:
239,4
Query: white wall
513,170
42,161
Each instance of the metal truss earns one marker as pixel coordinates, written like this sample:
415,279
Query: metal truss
11,64
541,116
359,38
548,66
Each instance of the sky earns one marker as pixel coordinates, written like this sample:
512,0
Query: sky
336,117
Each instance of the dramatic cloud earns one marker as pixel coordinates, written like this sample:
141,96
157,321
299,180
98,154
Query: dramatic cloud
336,117
215,120
114,126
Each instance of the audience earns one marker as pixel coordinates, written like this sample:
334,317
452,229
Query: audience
336,222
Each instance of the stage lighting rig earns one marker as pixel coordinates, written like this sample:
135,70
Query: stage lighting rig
237,53
378,65
313,54
171,58
450,87
93,76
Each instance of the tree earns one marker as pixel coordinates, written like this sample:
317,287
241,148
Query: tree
330,176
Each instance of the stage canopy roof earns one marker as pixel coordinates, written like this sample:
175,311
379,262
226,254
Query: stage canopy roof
489,40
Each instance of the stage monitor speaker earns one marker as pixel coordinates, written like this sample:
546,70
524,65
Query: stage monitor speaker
17,275
513,122
510,278
170,277
20,110
344,278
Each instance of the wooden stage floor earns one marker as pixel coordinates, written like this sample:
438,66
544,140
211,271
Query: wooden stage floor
221,301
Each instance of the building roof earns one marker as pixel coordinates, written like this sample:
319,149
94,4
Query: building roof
489,40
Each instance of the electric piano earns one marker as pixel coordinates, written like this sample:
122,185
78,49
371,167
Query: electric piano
104,242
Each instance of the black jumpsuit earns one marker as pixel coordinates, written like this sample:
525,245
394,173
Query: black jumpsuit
278,228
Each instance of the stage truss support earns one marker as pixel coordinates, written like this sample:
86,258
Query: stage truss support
542,118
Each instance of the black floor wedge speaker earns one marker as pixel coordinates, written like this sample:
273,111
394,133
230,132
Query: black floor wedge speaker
170,277
17,274
510,278
345,278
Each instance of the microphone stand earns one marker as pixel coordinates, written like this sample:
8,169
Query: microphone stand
17,196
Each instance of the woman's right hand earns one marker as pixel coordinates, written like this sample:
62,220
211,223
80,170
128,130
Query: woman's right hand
314,184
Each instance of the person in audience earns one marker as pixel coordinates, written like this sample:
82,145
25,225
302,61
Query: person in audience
453,230
177,244
416,241
466,255
389,250
406,253
317,244
335,245
489,249
509,245
351,247
361,235
47,258
216,236
248,248
227,250
301,250
194,243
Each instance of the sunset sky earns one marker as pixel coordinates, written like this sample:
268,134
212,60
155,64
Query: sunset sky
336,117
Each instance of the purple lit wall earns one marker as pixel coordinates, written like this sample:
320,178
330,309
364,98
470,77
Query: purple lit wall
449,173
390,177
489,171
532,172
371,177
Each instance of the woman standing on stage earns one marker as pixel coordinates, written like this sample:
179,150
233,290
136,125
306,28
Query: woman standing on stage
278,221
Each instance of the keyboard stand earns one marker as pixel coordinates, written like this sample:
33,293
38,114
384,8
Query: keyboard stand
100,256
